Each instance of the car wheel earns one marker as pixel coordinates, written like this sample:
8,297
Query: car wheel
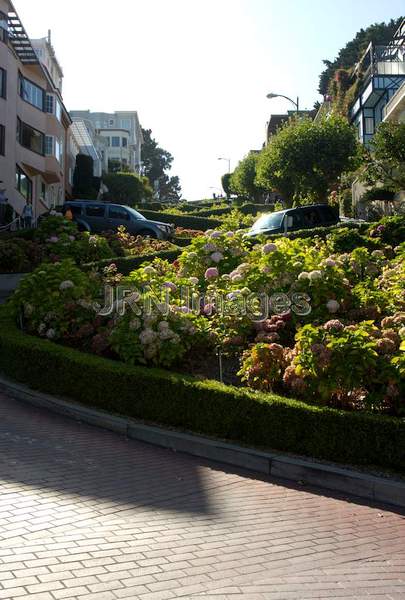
148,233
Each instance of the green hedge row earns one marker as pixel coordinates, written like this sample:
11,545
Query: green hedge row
126,264
186,221
182,241
205,407
321,232
253,209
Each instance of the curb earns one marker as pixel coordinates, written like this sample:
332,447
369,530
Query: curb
330,477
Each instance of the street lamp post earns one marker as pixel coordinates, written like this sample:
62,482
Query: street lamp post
228,161
296,104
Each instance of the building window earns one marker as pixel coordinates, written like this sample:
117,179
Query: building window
3,28
126,124
59,151
58,110
124,142
49,145
369,125
2,140
30,138
115,142
23,184
32,93
111,122
3,83
49,105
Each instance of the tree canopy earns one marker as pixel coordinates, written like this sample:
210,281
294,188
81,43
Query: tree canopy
155,163
384,163
127,188
378,33
304,160
243,179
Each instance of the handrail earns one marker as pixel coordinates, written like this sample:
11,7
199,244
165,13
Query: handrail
9,224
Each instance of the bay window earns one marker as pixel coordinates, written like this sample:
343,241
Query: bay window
31,93
30,138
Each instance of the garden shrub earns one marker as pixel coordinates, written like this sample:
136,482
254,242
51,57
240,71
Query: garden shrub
12,257
205,407
390,230
189,222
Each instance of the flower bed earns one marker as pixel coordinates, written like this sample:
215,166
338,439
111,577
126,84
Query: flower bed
206,407
293,317
57,239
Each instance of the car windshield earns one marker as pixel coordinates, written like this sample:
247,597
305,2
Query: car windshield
269,221
135,213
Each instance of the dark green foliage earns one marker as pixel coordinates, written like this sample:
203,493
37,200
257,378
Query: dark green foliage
378,33
226,183
253,209
389,230
243,180
126,264
321,232
12,257
305,159
127,188
384,163
189,222
155,164
83,181
206,407
344,239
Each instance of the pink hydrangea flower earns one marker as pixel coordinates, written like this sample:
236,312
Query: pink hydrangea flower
211,273
216,257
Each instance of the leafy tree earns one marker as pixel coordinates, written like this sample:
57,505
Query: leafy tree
304,160
378,33
127,188
84,184
243,179
170,188
155,164
226,183
384,163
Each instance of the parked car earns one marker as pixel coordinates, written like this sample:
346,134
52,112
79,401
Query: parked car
293,219
95,217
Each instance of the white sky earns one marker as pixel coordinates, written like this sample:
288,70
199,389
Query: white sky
197,71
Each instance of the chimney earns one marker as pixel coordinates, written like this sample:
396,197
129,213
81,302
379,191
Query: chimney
49,36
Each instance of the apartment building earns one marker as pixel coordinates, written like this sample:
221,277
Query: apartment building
381,72
118,137
35,144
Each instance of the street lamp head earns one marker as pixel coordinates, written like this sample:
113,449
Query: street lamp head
271,95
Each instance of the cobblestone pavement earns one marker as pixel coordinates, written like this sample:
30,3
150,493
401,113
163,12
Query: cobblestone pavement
86,514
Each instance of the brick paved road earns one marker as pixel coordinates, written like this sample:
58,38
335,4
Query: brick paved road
88,515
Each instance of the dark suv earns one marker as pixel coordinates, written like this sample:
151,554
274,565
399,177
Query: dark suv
96,217
293,219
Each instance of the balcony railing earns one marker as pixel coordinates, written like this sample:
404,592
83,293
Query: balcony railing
381,61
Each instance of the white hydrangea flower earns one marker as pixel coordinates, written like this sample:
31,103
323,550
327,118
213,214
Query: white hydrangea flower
65,285
315,275
216,257
332,306
303,275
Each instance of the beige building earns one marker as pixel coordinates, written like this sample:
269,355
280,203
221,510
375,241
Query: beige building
118,138
35,144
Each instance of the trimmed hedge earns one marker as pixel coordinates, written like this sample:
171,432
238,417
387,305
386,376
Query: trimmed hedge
182,241
321,232
186,221
205,407
126,264
253,209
